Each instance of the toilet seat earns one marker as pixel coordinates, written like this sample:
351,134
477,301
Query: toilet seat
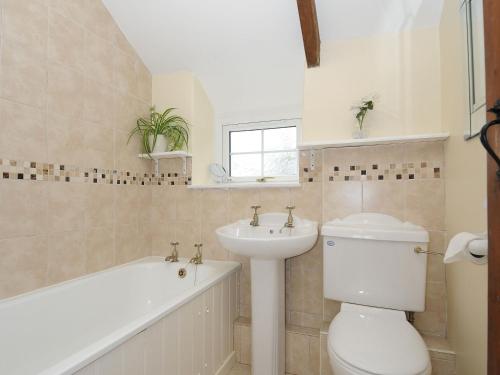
369,340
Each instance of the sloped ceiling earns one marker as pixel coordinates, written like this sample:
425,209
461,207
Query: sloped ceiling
248,53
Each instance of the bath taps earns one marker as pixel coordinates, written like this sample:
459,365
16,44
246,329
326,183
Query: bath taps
197,259
255,220
174,256
289,222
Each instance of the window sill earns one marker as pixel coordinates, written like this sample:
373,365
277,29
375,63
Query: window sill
248,185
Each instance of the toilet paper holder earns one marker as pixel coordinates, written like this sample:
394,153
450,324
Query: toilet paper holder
478,249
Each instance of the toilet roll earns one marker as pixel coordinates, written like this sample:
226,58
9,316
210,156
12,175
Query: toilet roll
467,246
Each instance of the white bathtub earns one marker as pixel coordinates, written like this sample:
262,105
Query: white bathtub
64,328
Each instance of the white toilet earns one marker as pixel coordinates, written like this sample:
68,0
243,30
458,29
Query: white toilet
371,267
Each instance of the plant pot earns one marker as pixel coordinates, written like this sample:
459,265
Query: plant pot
161,144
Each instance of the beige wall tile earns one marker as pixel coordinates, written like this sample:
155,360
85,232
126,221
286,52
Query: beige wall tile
127,243
100,248
385,197
99,206
24,83
99,59
23,264
341,199
98,103
67,257
125,77
66,207
308,201
65,87
240,202
24,20
66,42
24,125
214,206
425,203
24,209
72,9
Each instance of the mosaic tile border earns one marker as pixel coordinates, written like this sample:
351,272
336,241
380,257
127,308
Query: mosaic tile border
385,172
36,171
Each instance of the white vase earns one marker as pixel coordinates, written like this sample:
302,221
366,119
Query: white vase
161,144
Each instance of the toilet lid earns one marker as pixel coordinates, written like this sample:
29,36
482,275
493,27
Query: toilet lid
377,341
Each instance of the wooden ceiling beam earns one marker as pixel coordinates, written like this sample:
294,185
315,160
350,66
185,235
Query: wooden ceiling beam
310,31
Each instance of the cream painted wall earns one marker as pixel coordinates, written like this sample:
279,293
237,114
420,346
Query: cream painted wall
401,69
184,91
465,196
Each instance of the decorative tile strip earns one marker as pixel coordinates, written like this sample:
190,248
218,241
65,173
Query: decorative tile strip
36,171
385,172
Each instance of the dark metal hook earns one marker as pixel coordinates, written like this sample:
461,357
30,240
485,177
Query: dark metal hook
484,135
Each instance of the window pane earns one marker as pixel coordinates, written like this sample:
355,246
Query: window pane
280,164
246,165
280,139
246,141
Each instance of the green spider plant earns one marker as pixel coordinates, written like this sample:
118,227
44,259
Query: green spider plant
174,127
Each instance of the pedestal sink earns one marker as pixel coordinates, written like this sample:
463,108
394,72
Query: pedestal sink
268,245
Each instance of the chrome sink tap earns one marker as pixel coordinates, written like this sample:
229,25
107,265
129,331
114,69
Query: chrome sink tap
172,258
255,220
197,259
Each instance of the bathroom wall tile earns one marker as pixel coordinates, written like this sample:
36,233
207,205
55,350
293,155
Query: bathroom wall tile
240,201
425,203
436,271
431,323
127,243
212,249
97,19
314,355
99,59
386,197
214,206
162,234
26,127
164,203
425,151
99,205
274,200
100,248
443,367
24,83
67,256
66,207
125,77
25,49
330,309
297,354
121,41
325,368
64,90
187,233
188,207
126,152
126,110
72,9
245,344
23,264
306,282
341,199
98,103
308,201
66,42
24,209
127,205
303,319
24,19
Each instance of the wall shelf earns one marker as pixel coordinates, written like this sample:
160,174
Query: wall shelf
157,156
374,141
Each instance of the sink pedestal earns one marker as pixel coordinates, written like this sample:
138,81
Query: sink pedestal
268,316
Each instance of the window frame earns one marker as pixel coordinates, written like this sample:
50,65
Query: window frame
259,125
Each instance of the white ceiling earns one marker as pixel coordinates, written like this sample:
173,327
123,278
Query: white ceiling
248,53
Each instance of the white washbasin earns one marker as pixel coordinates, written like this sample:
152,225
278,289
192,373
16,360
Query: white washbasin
269,240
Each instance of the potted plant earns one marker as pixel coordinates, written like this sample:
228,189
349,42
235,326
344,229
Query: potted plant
162,132
360,112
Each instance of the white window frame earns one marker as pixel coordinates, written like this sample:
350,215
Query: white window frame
258,125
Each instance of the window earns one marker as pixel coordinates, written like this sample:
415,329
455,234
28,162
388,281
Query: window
261,149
